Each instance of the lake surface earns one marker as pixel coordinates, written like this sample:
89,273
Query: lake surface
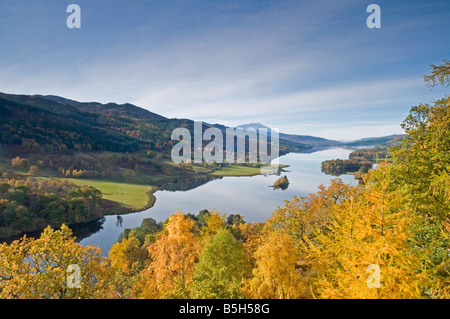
249,196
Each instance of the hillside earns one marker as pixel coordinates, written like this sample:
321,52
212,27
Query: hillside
125,110
40,124
388,141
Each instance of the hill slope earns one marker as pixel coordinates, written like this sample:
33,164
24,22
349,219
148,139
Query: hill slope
52,123
38,122
390,140
125,110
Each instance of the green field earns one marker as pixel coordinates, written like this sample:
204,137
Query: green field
136,197
237,170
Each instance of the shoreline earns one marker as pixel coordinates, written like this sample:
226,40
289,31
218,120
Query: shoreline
121,207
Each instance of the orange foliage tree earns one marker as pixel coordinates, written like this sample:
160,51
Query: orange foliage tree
173,257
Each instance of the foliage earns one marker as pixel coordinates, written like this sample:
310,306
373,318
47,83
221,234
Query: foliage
173,257
127,259
213,223
275,275
221,268
422,161
372,228
38,268
440,74
31,204
338,167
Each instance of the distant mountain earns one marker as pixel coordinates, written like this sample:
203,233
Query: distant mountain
285,146
311,141
53,124
126,110
389,141
50,123
315,142
256,126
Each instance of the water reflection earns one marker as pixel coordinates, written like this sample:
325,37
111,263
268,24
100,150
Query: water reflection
247,196
119,221
188,183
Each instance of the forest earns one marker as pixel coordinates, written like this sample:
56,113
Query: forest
338,167
28,204
318,246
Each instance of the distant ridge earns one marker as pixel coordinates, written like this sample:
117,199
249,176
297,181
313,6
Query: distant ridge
54,123
312,141
389,140
319,142
126,110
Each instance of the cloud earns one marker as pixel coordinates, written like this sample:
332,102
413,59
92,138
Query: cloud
286,64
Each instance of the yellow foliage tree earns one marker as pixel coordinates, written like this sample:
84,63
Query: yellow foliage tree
214,222
124,254
127,259
372,229
301,216
275,275
39,268
173,257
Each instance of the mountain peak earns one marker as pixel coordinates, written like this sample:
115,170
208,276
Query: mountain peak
256,125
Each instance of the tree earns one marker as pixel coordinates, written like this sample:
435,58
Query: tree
126,253
275,275
221,268
214,222
173,256
127,259
39,268
3,211
235,219
372,228
422,160
33,170
440,74
18,162
302,216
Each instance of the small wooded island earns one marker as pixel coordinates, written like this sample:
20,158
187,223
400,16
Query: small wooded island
281,183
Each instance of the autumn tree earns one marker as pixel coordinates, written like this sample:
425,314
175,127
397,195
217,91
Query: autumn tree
275,275
33,170
213,223
301,216
221,268
173,256
372,228
39,268
18,162
127,259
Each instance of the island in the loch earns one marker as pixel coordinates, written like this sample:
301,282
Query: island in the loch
360,161
281,183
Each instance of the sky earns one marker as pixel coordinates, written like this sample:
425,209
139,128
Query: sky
303,67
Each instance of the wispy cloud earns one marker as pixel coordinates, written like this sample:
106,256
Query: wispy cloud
295,65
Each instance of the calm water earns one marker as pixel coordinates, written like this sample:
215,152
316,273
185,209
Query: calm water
249,196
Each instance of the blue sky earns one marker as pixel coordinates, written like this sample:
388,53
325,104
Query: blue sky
305,67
